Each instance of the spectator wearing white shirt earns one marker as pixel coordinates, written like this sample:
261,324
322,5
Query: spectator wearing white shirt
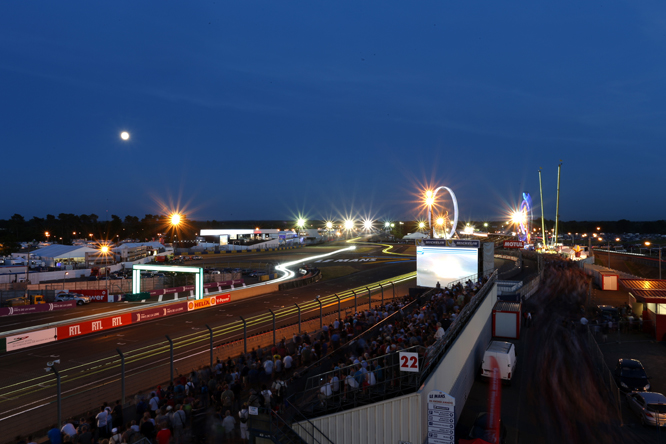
439,334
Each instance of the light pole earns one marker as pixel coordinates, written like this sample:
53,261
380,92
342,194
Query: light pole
429,201
63,279
175,219
440,223
104,249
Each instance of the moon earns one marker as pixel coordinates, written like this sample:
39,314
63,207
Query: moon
124,135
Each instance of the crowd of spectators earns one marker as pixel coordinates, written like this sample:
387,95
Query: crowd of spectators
216,403
372,359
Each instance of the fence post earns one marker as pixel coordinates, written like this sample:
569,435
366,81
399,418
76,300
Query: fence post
355,303
369,299
171,355
380,286
59,393
122,376
339,311
393,283
210,330
273,314
321,308
299,318
244,334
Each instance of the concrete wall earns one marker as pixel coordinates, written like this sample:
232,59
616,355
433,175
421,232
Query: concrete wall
455,373
404,418
384,422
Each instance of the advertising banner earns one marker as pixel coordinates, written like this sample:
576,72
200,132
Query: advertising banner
94,295
154,313
87,327
221,299
514,244
25,309
208,302
452,243
29,339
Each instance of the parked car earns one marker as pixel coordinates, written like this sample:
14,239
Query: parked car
79,298
631,376
649,406
609,312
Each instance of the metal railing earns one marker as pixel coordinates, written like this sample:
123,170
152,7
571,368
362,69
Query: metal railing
391,382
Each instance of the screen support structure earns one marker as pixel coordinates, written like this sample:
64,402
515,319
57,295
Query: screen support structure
197,271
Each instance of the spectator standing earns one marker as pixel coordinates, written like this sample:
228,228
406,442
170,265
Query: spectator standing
54,434
229,424
164,435
101,418
244,417
267,394
118,420
116,436
178,422
68,428
153,403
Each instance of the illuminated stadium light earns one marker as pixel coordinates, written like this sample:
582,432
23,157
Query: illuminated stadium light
440,221
329,225
367,224
175,219
349,224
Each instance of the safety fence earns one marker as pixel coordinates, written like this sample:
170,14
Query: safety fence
129,371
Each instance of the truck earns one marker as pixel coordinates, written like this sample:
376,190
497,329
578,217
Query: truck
33,299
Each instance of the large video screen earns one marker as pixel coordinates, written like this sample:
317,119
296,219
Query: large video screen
444,264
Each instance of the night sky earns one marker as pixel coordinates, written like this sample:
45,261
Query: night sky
264,110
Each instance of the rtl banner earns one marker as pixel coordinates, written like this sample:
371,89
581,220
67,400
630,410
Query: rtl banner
87,327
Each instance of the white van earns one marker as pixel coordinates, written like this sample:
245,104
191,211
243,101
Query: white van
505,353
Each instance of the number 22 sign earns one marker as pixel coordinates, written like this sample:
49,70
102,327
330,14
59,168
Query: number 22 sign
409,362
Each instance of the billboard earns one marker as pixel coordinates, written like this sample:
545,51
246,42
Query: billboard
154,313
94,326
29,339
444,264
208,302
514,244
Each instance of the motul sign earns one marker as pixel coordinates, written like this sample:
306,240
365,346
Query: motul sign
514,244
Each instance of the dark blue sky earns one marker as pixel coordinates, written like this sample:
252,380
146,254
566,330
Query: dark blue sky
262,110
